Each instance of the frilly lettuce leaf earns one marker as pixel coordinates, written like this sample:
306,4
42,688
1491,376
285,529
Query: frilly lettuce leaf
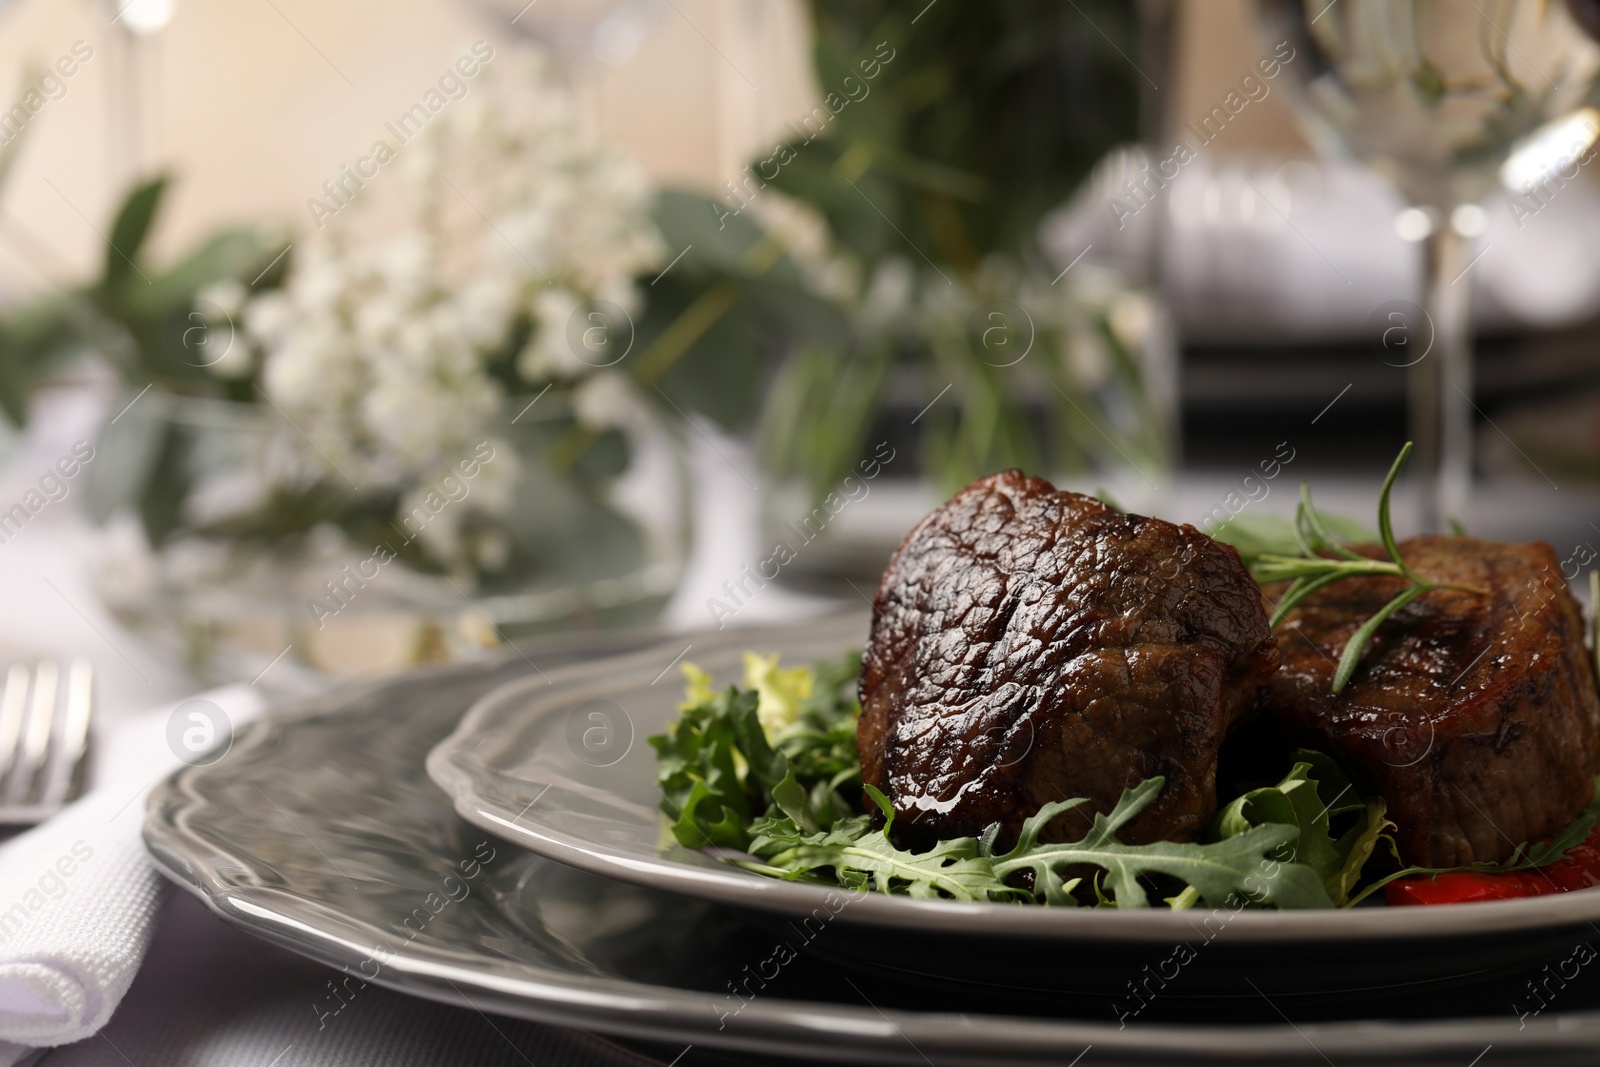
783,691
697,687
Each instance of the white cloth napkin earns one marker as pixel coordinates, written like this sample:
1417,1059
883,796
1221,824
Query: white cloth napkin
78,897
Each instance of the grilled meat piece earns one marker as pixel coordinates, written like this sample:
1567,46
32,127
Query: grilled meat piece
1031,645
1475,717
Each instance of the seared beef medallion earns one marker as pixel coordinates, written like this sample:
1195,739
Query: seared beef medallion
1031,645
1475,717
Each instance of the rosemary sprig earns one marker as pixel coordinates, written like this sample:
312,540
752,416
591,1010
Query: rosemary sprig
1594,620
1323,561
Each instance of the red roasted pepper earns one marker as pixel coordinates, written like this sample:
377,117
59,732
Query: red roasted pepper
1579,870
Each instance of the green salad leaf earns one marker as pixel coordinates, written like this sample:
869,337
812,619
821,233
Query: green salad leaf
1246,866
771,769
862,857
1313,796
719,768
704,776
1250,864
784,788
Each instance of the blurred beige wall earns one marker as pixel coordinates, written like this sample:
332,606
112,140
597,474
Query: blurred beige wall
255,103
1216,46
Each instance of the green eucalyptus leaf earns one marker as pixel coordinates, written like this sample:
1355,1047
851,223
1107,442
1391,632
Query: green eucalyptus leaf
719,237
231,254
127,451
129,231
167,489
13,385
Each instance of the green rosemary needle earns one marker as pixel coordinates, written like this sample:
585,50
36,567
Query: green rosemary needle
1594,619
1323,561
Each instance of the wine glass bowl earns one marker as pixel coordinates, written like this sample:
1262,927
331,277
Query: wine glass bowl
1435,94
1438,95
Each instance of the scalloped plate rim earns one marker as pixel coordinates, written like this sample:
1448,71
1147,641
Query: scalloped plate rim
447,766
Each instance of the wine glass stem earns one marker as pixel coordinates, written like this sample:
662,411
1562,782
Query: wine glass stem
1440,384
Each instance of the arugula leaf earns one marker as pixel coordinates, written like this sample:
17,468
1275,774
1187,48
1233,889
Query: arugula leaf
785,795
1292,802
861,858
825,763
1311,796
966,868
833,693
821,744
1358,844
1248,864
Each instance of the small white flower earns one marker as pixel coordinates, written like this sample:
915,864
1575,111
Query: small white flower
1131,319
550,352
889,293
236,360
379,349
605,401
1087,358
492,550
485,307
228,296
269,316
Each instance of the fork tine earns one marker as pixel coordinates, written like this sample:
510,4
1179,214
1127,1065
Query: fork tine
36,735
63,777
12,705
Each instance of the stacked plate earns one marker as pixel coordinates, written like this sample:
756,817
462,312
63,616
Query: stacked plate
528,873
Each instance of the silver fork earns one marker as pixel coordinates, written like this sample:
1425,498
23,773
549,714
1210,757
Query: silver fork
44,738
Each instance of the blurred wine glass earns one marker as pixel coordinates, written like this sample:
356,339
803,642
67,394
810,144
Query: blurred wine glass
577,36
575,31
1448,98
134,29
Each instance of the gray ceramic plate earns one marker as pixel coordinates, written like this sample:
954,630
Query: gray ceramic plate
319,832
561,768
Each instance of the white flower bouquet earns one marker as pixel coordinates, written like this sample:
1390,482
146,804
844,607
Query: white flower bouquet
457,402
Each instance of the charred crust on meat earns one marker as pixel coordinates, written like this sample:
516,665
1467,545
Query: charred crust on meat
1475,718
1107,647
